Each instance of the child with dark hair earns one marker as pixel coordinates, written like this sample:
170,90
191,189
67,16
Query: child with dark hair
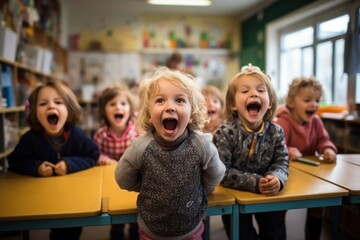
116,113
54,145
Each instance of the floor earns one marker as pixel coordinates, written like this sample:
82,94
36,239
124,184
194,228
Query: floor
295,220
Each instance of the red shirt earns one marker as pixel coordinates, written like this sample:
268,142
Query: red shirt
112,146
307,138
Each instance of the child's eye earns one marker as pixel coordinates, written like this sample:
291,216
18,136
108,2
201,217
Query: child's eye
42,103
181,100
59,102
159,100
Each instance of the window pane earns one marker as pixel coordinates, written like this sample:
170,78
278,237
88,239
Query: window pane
333,27
324,68
299,38
307,61
340,77
290,62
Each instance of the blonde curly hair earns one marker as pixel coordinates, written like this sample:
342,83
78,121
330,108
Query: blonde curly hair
150,85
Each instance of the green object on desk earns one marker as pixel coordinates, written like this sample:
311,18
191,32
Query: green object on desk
308,161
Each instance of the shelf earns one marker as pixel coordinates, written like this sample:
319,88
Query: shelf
24,67
185,51
6,153
12,109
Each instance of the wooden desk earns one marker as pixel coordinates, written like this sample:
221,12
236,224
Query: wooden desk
350,158
121,204
118,203
341,173
301,191
63,201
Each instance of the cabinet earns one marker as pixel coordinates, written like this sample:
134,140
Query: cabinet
345,134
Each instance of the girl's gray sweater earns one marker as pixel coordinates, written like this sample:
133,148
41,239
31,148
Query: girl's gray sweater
173,185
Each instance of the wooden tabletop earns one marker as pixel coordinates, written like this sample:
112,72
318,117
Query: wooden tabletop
220,197
300,186
341,173
123,202
116,200
350,158
74,195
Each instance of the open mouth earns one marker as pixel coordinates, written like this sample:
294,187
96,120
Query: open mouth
119,116
253,108
52,119
310,113
170,123
211,113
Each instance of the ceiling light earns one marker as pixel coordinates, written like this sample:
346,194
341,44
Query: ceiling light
181,2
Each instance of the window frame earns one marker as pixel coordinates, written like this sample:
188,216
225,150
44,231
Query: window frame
308,16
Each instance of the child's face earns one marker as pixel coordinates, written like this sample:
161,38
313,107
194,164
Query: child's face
305,104
51,111
170,110
251,101
213,105
117,112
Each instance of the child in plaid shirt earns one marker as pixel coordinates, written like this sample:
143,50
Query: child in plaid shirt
116,111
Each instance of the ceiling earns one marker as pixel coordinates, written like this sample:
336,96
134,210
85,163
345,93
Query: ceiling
239,8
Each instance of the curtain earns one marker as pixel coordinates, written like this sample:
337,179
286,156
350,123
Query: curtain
352,47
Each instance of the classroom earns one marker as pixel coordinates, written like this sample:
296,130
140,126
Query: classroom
92,68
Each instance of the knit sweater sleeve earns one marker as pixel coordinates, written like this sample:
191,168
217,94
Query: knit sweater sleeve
24,158
212,167
127,172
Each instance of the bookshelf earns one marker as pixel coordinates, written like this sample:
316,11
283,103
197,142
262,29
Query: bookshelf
16,81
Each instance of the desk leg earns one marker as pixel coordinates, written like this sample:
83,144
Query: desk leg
234,227
335,222
207,228
25,234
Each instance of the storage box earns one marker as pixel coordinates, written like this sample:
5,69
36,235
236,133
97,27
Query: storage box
33,57
8,43
47,60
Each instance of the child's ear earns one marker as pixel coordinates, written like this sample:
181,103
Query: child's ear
289,103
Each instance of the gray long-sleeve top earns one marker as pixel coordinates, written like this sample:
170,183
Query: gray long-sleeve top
173,184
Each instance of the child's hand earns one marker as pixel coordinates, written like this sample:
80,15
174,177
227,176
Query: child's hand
105,160
60,168
269,185
46,169
294,153
329,155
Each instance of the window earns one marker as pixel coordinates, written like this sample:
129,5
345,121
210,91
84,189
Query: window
312,43
297,56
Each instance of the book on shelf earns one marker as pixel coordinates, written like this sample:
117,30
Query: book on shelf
8,97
